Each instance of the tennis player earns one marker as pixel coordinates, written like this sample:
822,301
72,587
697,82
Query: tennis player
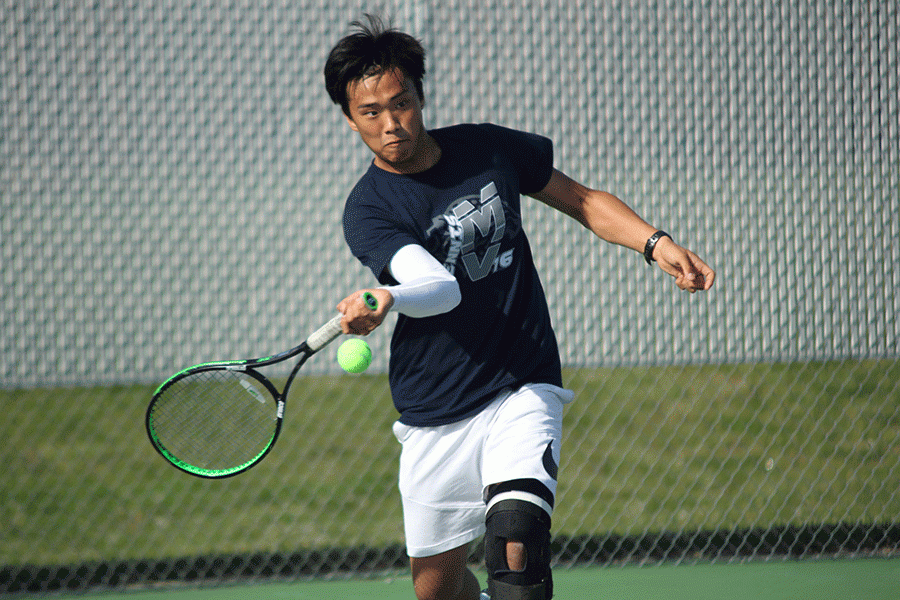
474,368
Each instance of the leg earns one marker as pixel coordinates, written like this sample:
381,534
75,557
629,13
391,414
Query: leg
517,551
515,555
522,463
443,507
444,576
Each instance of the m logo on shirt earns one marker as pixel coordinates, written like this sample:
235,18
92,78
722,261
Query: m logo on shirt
473,228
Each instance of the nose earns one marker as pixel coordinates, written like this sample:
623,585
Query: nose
391,122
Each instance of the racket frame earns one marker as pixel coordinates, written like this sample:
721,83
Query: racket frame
315,342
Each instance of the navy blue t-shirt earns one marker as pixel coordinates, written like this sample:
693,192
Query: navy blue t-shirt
466,212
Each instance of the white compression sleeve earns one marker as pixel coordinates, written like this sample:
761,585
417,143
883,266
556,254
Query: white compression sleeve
425,287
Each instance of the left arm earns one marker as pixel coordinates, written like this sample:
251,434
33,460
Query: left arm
612,220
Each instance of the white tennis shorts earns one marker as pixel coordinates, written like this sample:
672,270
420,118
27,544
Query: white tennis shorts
445,470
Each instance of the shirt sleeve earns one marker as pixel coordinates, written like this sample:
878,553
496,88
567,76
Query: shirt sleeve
531,155
373,233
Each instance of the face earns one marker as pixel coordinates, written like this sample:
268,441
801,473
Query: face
387,113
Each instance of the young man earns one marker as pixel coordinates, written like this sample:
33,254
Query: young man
474,370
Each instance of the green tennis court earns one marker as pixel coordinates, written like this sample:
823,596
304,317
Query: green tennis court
867,579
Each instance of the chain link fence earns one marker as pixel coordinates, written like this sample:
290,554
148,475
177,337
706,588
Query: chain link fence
171,182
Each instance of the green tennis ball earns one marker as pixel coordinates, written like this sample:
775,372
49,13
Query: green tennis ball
354,356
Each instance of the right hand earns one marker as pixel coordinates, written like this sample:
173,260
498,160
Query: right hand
358,318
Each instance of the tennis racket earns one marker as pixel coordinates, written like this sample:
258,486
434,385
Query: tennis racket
219,419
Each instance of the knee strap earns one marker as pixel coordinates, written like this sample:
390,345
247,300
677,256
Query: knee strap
528,524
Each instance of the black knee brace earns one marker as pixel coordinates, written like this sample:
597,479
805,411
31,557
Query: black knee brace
528,524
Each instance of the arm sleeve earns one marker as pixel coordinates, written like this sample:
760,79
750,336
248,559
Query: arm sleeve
425,287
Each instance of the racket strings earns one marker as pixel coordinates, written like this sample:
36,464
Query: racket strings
215,420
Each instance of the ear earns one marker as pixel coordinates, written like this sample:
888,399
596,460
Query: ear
351,122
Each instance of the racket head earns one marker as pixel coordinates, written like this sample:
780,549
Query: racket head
215,420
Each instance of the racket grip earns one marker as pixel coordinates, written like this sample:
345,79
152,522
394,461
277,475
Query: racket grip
324,334
371,301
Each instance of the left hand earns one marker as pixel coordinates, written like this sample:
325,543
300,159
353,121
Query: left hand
690,273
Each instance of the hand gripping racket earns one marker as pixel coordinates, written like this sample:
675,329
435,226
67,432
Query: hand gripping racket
219,419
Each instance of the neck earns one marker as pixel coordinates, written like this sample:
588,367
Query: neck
426,156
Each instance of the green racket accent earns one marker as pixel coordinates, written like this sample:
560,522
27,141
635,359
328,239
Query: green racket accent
370,300
216,473
218,419
215,420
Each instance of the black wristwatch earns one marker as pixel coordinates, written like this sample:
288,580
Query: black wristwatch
651,244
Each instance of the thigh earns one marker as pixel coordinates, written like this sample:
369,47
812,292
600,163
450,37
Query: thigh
525,437
440,486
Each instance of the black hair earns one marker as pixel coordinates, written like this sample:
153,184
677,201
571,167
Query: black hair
371,50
